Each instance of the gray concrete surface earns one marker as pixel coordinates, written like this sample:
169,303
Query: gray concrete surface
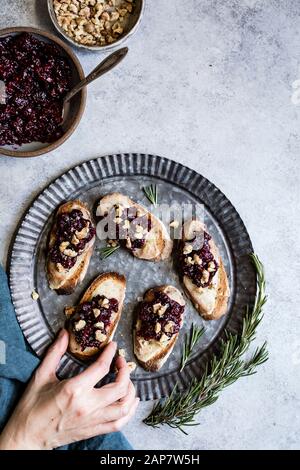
208,83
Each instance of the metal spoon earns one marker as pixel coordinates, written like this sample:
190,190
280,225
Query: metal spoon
105,66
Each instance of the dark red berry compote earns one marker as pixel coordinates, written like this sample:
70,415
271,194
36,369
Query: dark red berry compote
161,316
197,261
37,77
128,225
72,233
91,321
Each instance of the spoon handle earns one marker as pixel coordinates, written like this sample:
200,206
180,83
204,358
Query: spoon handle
105,66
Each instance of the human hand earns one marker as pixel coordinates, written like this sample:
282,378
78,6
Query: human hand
52,413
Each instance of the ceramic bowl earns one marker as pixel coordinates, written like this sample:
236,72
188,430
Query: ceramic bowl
134,22
73,112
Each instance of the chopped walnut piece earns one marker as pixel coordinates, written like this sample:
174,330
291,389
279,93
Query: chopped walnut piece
71,253
169,326
112,243
74,240
86,12
60,267
89,28
105,16
73,8
68,311
34,295
205,276
96,312
83,233
118,211
162,310
121,352
138,235
164,338
63,246
80,325
117,28
197,259
139,228
132,366
126,224
156,307
174,224
100,336
114,15
211,267
123,11
104,303
187,249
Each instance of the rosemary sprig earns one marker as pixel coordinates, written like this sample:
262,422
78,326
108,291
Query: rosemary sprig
107,251
180,409
151,193
190,342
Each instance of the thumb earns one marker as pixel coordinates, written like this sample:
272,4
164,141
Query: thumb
47,369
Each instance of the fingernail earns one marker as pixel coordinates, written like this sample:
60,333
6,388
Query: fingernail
61,333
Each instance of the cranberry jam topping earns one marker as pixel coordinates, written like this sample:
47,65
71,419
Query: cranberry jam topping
162,316
73,232
128,226
36,78
92,319
197,260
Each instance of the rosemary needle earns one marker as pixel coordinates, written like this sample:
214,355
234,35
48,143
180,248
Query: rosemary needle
151,193
108,251
191,341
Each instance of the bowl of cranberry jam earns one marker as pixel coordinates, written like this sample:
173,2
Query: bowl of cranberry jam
36,71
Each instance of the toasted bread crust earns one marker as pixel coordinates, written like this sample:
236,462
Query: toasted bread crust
155,363
163,351
222,291
119,281
152,251
66,281
221,297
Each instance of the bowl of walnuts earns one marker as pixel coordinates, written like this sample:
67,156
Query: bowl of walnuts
96,24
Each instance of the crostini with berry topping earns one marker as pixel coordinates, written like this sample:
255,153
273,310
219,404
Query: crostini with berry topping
70,247
93,322
202,270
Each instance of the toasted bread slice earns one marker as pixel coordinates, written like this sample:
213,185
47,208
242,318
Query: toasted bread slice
110,286
153,353
158,244
64,281
211,302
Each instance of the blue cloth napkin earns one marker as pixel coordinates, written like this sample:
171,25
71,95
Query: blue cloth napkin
17,362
